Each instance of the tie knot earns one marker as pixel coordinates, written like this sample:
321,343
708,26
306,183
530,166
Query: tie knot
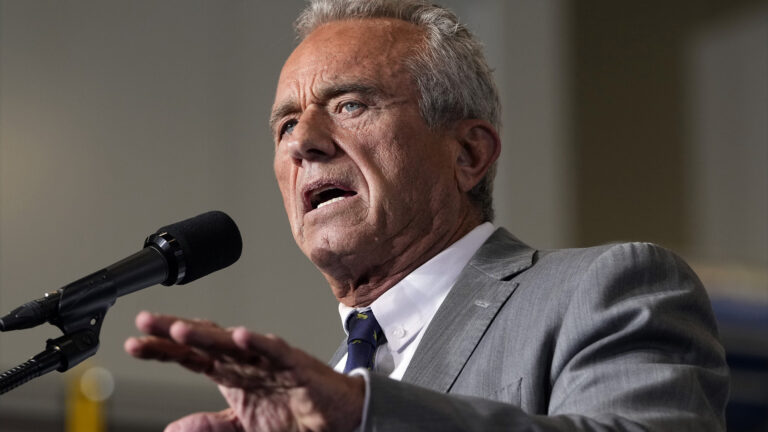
363,327
365,335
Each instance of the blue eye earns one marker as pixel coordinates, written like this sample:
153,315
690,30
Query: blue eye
351,106
288,127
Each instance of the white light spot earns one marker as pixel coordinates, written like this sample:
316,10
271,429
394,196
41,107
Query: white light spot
97,384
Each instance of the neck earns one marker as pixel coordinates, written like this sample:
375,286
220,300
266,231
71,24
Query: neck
361,288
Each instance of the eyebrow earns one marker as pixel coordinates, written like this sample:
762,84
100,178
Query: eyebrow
325,93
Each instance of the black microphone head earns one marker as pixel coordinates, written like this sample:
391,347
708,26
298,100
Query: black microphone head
208,242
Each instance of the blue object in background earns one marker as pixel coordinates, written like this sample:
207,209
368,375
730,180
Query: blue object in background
744,333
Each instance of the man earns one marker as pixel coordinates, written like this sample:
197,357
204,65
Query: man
385,123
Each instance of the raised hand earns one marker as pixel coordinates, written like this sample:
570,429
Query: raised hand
269,385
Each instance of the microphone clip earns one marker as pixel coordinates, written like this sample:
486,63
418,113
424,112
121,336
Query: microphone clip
79,318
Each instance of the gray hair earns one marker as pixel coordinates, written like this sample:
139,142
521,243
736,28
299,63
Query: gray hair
450,70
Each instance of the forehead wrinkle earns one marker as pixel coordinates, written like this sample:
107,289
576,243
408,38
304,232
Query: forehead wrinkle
330,91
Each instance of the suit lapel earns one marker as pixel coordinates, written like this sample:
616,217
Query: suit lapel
460,322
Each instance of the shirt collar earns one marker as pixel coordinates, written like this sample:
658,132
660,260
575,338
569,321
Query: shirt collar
404,310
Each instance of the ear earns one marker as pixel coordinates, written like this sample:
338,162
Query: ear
479,147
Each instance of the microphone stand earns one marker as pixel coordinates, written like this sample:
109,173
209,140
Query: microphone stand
79,308
60,354
80,340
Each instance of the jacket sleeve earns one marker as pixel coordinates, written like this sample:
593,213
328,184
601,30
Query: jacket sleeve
637,350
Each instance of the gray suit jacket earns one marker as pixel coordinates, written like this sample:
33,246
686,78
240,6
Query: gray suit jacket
611,338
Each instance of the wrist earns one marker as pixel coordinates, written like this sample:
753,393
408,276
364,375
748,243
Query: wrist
355,403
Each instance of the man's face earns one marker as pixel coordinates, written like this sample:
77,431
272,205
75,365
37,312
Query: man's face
363,179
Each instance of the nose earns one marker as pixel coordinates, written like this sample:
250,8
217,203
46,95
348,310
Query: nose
311,138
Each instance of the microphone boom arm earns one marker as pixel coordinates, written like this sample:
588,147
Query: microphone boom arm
79,308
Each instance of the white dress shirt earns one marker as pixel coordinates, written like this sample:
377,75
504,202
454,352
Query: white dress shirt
405,310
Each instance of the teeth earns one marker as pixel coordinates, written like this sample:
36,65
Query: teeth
330,201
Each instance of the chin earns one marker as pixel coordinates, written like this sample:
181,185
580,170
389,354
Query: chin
324,259
330,249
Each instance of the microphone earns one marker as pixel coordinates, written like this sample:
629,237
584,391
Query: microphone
175,254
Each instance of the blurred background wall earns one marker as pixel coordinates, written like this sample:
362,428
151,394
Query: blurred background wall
622,121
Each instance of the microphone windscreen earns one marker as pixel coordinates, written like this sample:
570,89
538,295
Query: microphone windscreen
209,242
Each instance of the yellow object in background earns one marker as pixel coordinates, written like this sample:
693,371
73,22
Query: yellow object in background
86,392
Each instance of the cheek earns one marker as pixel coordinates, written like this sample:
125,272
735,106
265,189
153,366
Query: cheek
388,174
393,151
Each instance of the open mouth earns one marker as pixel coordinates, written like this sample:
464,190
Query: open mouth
326,195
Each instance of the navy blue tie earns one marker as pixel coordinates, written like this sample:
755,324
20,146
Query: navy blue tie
365,335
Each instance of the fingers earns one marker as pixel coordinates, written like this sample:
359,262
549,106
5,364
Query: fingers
195,344
223,421
153,348
157,325
200,334
275,349
161,345
212,340
237,343
160,325
202,346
